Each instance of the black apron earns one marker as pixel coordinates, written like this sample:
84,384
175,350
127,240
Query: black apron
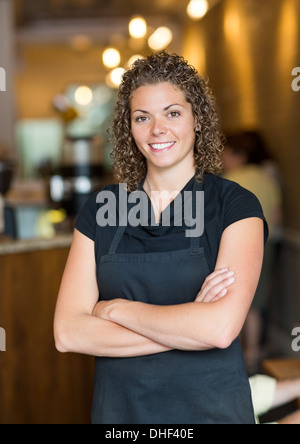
176,387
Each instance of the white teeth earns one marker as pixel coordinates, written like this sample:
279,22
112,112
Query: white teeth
161,146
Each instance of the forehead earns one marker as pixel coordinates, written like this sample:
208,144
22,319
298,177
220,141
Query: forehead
161,93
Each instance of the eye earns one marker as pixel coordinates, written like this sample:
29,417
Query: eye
141,119
174,114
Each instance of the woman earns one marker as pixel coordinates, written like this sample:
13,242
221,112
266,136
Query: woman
171,305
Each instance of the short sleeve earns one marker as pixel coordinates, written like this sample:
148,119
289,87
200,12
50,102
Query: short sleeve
86,220
241,204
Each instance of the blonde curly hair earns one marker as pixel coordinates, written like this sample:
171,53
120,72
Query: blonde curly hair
130,165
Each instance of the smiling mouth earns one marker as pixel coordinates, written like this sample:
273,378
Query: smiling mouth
159,147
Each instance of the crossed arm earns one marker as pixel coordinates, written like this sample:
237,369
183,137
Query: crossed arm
121,328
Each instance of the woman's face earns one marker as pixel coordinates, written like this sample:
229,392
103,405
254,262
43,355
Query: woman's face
163,126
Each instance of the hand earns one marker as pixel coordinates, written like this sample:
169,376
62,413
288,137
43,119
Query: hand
216,286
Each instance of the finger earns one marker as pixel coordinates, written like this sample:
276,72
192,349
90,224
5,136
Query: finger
215,280
220,295
217,273
220,290
212,291
217,277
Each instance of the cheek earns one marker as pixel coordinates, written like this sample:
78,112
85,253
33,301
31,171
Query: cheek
138,136
186,132
134,132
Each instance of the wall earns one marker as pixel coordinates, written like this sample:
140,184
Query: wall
48,69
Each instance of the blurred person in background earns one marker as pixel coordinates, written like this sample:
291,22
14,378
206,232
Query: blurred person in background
269,393
246,161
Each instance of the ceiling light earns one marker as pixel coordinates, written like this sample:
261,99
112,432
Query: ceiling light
161,38
114,78
133,59
138,27
111,58
83,95
197,9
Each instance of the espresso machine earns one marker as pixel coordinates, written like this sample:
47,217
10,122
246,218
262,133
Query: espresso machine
80,173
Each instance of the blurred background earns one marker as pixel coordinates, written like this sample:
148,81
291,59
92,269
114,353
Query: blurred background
61,63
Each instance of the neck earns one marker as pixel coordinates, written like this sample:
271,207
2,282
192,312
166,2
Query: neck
167,180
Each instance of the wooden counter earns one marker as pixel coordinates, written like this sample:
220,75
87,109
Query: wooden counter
37,384
8,247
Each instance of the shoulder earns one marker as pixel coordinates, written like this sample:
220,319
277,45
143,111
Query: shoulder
231,202
96,199
86,221
225,189
113,188
109,190
218,183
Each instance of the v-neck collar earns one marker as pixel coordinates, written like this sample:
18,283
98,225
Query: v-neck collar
158,229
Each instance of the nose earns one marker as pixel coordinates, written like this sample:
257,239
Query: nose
158,128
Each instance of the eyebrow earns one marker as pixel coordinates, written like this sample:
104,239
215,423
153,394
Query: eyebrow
165,109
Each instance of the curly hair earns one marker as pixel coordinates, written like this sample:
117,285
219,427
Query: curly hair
130,165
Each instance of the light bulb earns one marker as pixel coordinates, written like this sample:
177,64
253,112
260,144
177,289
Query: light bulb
111,58
161,38
138,27
83,95
197,9
114,78
133,59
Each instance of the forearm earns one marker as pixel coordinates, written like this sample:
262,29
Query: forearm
193,326
293,419
287,391
86,334
180,327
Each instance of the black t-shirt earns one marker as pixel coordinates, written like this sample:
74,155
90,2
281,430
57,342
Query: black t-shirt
225,203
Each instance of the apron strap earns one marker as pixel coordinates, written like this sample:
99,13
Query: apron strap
117,239
195,245
195,241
